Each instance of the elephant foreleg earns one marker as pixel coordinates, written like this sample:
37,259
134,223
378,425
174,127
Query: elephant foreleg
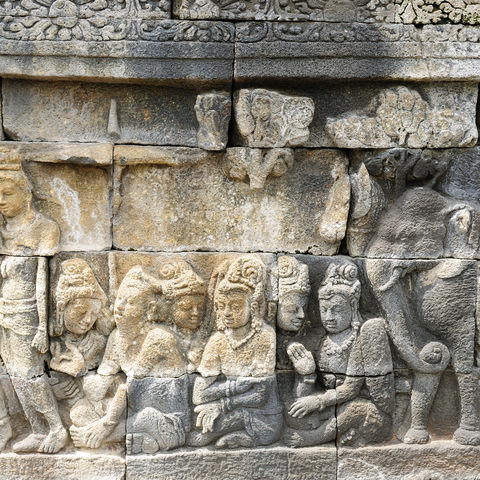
424,389
468,432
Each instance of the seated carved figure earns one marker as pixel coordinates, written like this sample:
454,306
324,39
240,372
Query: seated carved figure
236,398
160,414
24,230
355,368
83,320
293,291
101,413
79,335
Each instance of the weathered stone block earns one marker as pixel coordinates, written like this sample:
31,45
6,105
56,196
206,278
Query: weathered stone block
280,51
70,186
135,48
414,204
277,462
62,467
199,208
83,112
438,460
375,116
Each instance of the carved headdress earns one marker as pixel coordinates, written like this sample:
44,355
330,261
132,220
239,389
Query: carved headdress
138,281
292,276
247,274
342,279
77,280
179,279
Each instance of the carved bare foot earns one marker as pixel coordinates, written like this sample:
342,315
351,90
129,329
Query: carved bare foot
29,444
293,439
140,443
5,433
235,440
467,437
416,435
54,441
89,436
348,437
199,439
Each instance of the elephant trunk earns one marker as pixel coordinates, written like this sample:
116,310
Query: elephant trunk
384,277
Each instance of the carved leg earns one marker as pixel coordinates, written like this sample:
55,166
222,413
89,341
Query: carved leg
468,433
424,389
37,399
326,432
5,427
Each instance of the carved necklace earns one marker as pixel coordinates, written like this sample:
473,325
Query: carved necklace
238,343
332,349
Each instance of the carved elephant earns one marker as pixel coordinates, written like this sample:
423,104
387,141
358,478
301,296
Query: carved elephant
429,307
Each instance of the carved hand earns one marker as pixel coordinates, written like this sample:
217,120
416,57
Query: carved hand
65,390
207,414
242,384
305,405
40,341
302,359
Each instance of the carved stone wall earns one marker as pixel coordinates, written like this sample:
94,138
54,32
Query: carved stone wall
239,240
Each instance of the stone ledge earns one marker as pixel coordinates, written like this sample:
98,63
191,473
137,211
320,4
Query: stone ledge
75,466
277,463
436,461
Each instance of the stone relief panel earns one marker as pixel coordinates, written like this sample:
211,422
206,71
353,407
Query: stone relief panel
199,207
213,111
390,344
359,115
184,335
82,112
414,203
54,196
400,117
266,119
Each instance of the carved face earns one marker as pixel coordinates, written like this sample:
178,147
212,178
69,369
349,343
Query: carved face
131,307
335,313
187,311
81,314
233,309
291,311
261,108
12,199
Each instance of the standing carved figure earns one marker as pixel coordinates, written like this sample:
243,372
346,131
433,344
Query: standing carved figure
23,347
431,329
355,400
236,398
24,231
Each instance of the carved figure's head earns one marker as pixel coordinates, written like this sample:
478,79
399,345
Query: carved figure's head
293,291
137,298
239,295
338,298
184,292
15,193
261,106
80,299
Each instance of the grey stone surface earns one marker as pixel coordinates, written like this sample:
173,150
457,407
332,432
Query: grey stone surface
71,186
201,208
438,460
83,113
414,204
435,115
259,464
73,466
136,48
271,51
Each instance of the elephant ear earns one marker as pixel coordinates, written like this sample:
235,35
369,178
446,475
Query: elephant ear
377,356
378,365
